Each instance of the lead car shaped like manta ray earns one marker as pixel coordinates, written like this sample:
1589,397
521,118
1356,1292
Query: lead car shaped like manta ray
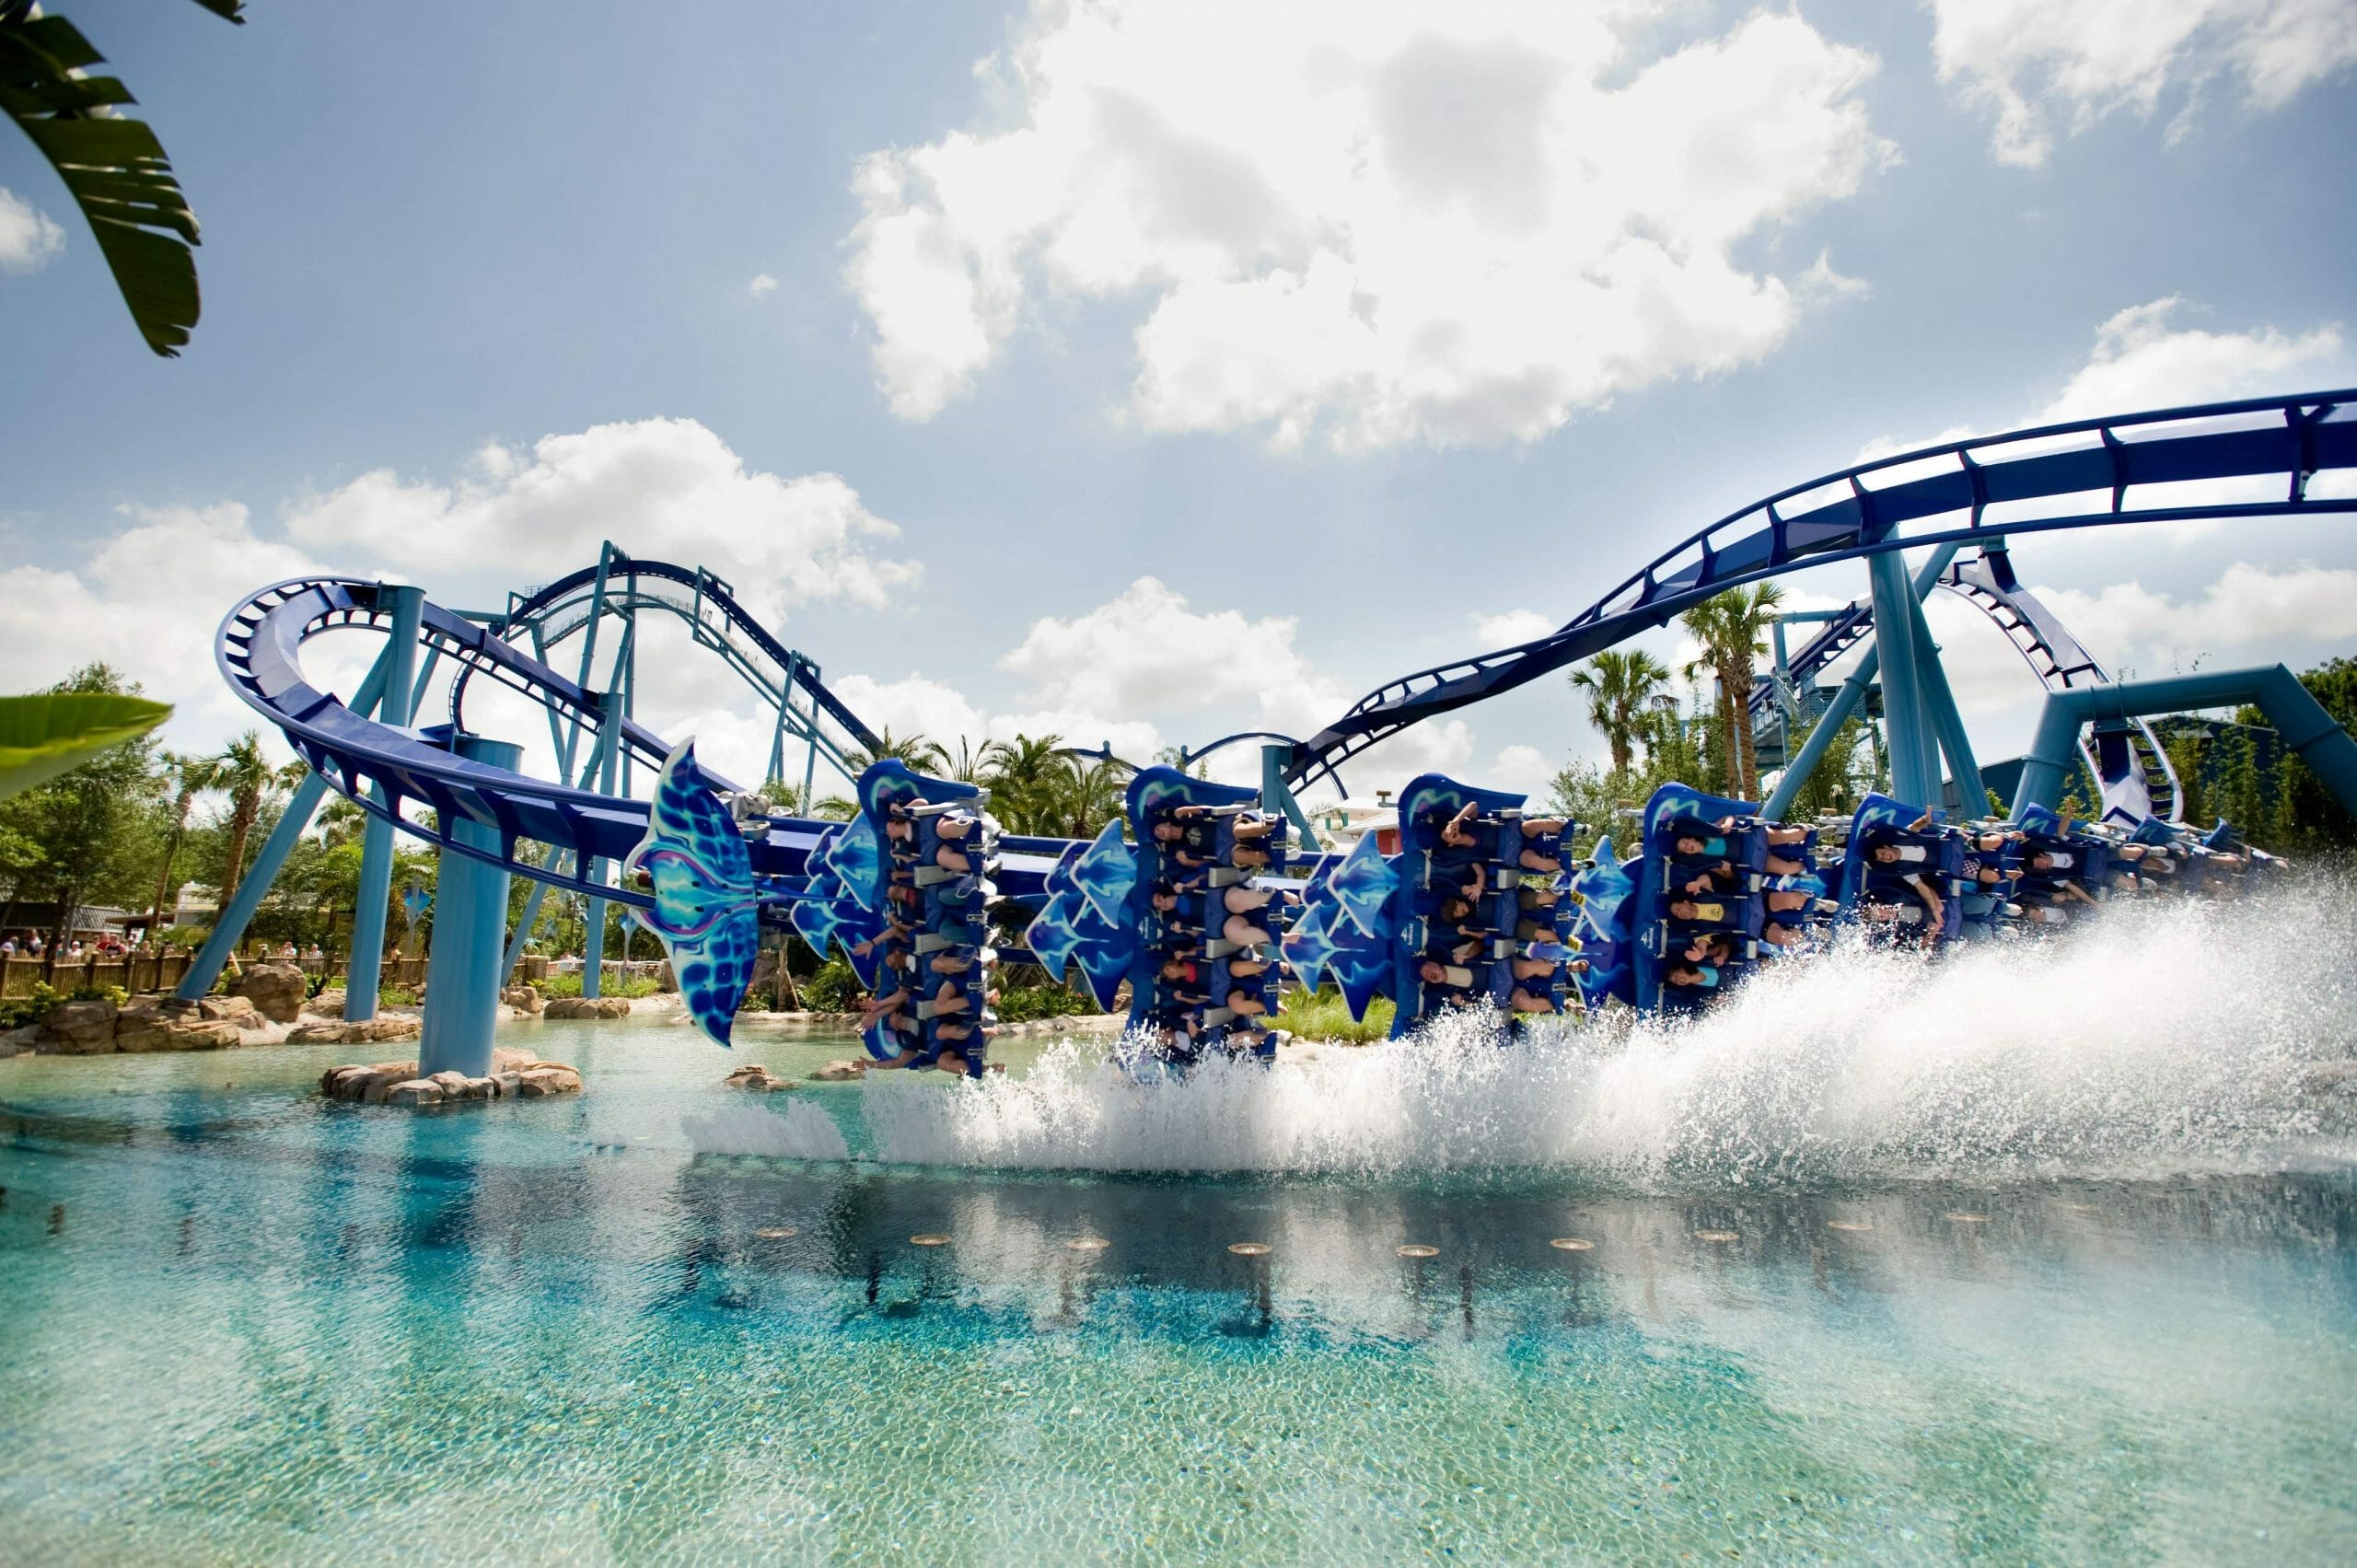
706,911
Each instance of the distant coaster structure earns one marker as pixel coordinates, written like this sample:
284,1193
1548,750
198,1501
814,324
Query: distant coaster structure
2235,461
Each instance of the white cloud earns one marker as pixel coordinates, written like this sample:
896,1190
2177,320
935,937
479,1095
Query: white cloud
665,488
2142,361
1525,768
762,286
2248,606
148,601
29,238
2034,62
1508,628
1377,223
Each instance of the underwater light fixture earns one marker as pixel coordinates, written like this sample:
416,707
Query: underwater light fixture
1248,1248
929,1239
1418,1249
1571,1244
1718,1236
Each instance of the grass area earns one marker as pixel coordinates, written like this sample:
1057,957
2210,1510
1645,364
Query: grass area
569,985
1323,1017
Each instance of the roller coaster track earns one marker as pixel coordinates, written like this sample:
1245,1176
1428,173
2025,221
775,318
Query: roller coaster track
258,651
2264,452
2127,760
557,611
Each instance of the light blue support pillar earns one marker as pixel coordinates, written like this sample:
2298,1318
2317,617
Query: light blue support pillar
377,840
1947,724
231,924
469,923
593,945
2297,716
1275,757
1914,758
1845,702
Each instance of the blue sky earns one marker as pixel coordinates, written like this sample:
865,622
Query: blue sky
1368,334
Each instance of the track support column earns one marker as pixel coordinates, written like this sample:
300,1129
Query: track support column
1275,758
469,928
366,964
1845,702
593,942
1914,759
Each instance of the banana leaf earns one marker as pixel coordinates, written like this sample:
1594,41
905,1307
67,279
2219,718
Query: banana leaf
51,732
113,166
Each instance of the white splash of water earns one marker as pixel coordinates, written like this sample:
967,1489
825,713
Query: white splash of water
801,1132
2168,1038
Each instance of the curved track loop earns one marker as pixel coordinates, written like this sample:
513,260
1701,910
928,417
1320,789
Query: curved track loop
1970,492
712,614
258,653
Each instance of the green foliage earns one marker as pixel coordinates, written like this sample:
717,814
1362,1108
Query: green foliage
1323,1015
568,983
1622,687
86,835
1843,776
16,1012
48,733
832,989
1021,1004
1732,628
186,937
113,165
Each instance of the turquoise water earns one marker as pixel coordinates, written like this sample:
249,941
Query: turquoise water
1972,1304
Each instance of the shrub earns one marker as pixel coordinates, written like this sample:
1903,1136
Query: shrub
19,1010
568,983
834,989
1021,1004
1323,1017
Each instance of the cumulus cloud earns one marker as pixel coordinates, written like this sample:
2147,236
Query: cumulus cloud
762,286
1373,223
2248,606
2142,359
2035,62
665,488
1509,627
29,237
147,602
2150,356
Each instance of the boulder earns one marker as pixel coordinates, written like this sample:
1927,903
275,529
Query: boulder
370,1031
543,1079
415,1091
79,1028
325,1005
508,1082
277,989
451,1083
840,1072
479,1088
523,998
755,1076
507,1058
238,1010
588,1007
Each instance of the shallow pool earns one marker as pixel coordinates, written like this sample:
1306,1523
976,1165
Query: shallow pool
241,1324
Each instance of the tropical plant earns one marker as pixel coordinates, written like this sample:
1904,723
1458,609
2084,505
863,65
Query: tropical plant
112,166
1031,782
177,770
1094,796
87,830
50,733
247,775
1732,627
919,754
1621,687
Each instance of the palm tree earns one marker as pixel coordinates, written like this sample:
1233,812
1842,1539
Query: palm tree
1621,687
112,166
183,773
1732,627
248,778
1029,780
919,754
1094,795
340,822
